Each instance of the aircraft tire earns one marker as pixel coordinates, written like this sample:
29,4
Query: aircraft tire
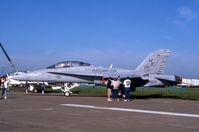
35,90
67,94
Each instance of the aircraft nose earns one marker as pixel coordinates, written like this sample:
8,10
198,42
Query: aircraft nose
20,77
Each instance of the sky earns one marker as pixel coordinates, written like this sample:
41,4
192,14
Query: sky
38,33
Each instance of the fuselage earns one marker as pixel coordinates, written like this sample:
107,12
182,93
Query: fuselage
83,74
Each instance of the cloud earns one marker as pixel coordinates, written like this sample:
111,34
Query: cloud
185,14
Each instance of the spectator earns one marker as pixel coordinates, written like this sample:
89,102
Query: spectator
127,89
109,89
27,87
115,83
43,87
5,88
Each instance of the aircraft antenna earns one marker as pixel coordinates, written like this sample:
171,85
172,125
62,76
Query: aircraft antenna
10,61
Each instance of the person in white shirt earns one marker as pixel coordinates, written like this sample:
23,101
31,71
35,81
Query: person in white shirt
115,83
5,88
43,87
127,89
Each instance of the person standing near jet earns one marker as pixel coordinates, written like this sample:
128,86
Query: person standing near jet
43,87
109,89
27,86
127,88
115,83
5,88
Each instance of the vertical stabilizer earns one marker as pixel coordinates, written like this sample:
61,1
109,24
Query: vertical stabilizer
154,63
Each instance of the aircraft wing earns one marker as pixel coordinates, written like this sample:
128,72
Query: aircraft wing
79,75
137,81
74,74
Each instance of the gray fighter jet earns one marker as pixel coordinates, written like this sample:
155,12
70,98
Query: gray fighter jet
149,73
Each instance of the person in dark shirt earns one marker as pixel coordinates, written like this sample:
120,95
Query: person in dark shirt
109,89
27,86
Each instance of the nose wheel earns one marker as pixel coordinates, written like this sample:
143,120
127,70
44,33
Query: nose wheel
67,94
67,87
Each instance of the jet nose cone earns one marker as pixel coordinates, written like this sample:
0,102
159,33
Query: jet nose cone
20,77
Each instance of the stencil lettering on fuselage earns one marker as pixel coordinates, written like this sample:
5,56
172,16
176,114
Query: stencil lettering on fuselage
104,71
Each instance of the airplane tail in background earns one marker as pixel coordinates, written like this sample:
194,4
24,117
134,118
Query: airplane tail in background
154,63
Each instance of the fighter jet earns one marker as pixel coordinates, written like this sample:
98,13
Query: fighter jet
152,68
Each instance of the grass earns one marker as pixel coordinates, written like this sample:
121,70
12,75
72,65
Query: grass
144,93
168,92
140,93
89,90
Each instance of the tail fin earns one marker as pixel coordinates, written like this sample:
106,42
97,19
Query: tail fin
154,63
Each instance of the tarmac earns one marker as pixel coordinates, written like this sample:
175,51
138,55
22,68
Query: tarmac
78,113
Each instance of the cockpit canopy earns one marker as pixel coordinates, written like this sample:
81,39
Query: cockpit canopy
65,64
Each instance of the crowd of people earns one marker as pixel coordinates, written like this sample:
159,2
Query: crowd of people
114,85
